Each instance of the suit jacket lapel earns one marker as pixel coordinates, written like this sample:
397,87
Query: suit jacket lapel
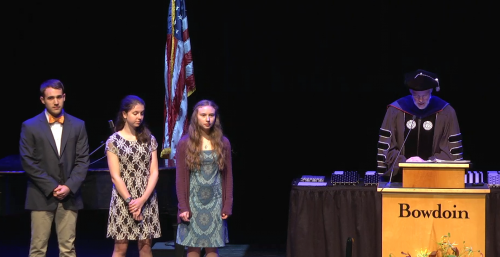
65,133
45,129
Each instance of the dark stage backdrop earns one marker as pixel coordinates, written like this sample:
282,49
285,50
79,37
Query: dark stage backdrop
302,87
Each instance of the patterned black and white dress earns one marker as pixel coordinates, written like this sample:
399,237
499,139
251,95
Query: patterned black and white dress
206,227
135,161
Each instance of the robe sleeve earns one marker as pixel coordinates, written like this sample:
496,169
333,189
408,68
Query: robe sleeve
389,141
448,139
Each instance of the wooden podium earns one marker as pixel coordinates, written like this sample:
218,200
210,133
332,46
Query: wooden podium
432,201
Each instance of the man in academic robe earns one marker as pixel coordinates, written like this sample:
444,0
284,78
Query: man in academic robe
428,123
54,154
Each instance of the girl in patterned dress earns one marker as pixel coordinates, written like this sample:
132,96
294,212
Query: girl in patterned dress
204,183
133,165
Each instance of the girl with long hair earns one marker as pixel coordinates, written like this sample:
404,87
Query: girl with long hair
204,183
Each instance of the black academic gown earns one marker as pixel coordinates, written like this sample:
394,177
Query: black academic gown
434,133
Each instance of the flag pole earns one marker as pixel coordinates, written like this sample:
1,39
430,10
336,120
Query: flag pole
165,153
172,39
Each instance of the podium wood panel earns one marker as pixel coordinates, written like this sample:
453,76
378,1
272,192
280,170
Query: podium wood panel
415,221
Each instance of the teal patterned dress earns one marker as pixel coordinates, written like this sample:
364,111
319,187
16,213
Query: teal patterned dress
206,228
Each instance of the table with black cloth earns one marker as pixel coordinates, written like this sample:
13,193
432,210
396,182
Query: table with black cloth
321,219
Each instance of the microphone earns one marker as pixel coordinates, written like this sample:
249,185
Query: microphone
348,252
111,126
112,129
399,152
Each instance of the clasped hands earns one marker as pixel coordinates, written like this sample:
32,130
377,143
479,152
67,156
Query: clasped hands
185,216
61,191
135,207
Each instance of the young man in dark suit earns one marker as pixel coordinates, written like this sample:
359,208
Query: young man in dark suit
54,154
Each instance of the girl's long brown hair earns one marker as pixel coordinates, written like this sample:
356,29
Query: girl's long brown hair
194,149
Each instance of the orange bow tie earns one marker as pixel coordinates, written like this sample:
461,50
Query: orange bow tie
53,119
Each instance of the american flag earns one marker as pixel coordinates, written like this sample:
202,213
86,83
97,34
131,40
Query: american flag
179,77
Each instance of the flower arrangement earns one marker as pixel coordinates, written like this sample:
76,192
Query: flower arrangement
445,249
